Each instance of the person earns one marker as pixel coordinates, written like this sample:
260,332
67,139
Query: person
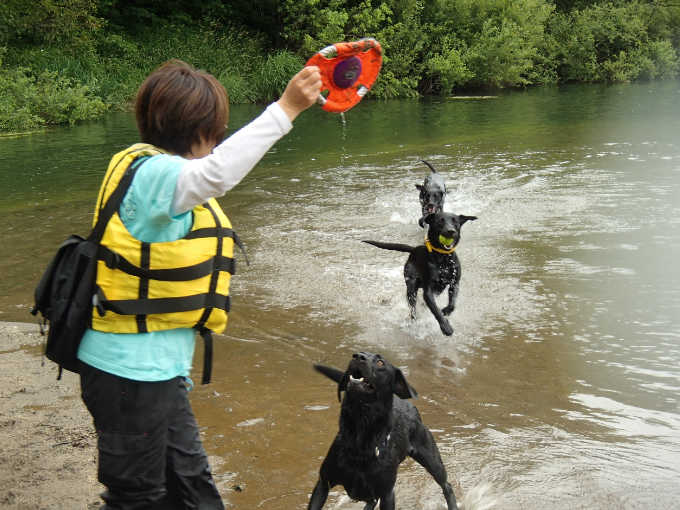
156,288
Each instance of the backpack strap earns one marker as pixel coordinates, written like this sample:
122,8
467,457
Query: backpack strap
105,214
115,199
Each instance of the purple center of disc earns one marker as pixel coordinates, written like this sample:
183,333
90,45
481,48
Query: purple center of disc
347,72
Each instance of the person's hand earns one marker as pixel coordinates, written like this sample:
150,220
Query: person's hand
302,91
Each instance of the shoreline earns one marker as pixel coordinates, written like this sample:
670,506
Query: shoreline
48,457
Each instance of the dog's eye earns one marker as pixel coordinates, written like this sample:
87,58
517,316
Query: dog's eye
380,363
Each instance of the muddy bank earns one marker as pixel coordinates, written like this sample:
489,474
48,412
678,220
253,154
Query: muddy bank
48,453
48,447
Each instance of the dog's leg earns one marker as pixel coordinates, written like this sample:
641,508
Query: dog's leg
387,501
453,295
411,295
438,472
370,505
425,452
444,324
411,291
453,287
319,496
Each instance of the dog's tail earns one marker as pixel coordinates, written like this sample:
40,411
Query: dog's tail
391,246
431,167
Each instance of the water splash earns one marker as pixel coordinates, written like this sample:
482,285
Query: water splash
480,497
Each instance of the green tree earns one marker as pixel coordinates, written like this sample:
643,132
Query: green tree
486,43
609,42
70,23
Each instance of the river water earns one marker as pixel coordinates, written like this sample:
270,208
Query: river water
560,386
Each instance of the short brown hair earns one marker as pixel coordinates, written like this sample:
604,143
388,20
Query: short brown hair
178,105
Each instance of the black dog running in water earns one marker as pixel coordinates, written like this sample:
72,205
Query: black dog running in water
432,194
433,266
377,431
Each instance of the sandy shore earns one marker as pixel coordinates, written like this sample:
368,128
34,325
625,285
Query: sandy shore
48,445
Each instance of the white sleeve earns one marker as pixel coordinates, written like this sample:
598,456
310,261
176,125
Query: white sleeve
217,173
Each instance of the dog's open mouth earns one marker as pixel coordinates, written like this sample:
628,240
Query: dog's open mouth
359,383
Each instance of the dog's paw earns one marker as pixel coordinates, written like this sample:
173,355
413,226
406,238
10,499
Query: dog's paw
447,329
447,310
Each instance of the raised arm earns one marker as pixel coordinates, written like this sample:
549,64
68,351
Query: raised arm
217,173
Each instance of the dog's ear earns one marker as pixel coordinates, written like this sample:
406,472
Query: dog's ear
342,385
335,375
464,218
430,218
402,388
419,187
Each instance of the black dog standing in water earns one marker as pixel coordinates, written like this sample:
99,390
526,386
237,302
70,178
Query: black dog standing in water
433,266
432,194
377,431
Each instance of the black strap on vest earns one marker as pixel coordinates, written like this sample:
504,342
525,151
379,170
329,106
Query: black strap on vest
239,243
219,231
149,306
200,325
115,261
143,293
206,334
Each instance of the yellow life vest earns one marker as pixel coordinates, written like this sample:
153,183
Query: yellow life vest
145,287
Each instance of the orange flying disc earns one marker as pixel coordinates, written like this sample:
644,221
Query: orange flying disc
348,70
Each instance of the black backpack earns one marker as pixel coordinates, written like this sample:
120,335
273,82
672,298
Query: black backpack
67,290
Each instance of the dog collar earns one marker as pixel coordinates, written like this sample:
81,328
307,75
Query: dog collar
431,248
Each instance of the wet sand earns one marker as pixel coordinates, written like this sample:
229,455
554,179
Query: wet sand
48,453
48,457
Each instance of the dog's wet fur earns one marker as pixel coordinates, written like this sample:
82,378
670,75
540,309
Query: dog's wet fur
432,194
430,270
378,429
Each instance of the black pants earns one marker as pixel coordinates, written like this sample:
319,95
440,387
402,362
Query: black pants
150,452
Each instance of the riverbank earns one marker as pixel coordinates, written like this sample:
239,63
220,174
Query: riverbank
48,453
67,65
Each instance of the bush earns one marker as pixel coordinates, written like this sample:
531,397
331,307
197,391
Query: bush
28,101
448,69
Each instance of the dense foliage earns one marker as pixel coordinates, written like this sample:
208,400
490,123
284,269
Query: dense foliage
68,60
